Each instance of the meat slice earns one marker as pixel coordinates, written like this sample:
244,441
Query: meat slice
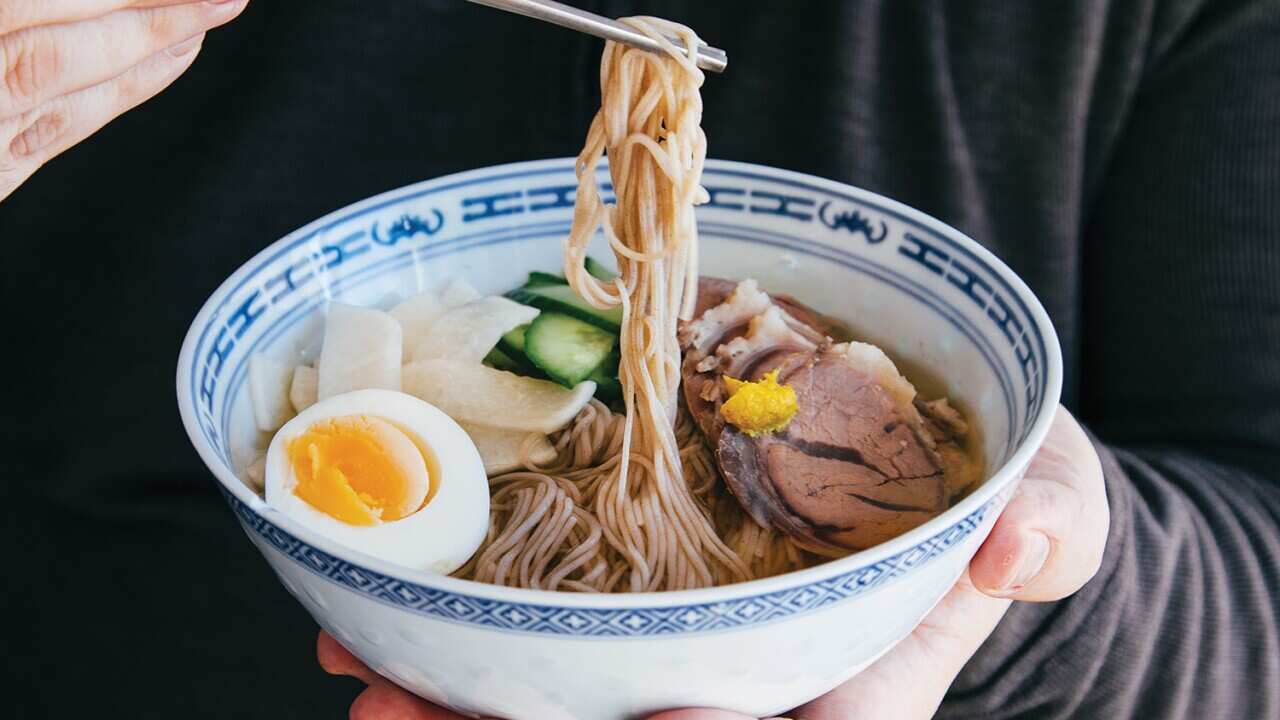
719,323
961,470
768,335
852,469
713,291
734,337
944,421
861,461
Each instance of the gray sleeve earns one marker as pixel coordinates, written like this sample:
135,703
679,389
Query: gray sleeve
1180,374
1181,622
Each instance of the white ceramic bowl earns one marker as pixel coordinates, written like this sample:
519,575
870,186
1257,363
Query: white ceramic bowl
908,282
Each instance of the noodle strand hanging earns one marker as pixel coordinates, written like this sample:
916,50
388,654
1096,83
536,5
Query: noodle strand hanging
632,502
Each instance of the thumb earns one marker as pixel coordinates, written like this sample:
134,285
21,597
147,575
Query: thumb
1048,542
909,682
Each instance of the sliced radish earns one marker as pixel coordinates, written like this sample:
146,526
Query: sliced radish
500,449
458,292
416,315
304,388
269,392
256,473
473,393
470,331
362,349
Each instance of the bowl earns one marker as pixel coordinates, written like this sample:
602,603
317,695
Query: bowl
920,289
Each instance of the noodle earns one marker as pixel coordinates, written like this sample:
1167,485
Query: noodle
573,554
633,502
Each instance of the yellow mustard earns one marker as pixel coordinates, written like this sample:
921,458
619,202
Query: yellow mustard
762,406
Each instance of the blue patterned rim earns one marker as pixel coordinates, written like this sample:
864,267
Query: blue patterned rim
926,243
602,622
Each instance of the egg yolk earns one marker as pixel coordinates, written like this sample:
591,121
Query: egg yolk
762,406
347,468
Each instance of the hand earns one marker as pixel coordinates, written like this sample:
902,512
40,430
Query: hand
68,67
1045,546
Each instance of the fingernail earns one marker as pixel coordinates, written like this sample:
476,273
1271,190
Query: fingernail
186,46
1034,556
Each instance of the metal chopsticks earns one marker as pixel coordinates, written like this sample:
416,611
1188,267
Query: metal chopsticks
709,58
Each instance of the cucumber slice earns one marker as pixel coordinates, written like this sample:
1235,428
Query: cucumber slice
562,299
539,279
608,388
598,270
500,360
512,346
512,343
566,348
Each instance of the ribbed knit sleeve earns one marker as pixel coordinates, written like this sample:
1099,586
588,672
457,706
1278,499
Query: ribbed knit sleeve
1180,623
1181,377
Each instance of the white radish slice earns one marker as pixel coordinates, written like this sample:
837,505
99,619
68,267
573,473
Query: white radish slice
458,292
473,393
500,449
310,352
305,388
362,349
470,331
256,473
416,316
269,392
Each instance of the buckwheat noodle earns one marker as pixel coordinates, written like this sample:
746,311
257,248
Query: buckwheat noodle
632,502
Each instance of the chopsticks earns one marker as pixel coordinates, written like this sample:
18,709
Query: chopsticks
556,13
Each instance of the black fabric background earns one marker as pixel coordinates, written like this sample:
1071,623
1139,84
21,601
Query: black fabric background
1073,140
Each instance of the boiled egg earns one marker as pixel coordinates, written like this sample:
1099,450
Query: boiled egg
383,473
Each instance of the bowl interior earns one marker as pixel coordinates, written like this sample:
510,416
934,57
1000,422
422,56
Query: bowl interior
935,301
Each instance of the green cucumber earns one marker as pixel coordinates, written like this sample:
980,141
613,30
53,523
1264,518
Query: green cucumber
500,360
608,388
566,348
539,279
598,271
512,343
562,299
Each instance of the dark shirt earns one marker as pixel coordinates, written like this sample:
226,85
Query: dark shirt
1123,157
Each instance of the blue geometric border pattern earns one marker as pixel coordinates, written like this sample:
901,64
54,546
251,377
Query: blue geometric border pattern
604,622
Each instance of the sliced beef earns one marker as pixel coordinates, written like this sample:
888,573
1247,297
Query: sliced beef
768,337
713,291
853,468
944,421
961,470
723,321
858,464
816,504
732,332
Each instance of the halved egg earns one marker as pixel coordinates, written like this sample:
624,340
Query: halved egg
383,473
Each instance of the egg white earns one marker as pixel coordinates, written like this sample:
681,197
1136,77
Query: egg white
441,536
